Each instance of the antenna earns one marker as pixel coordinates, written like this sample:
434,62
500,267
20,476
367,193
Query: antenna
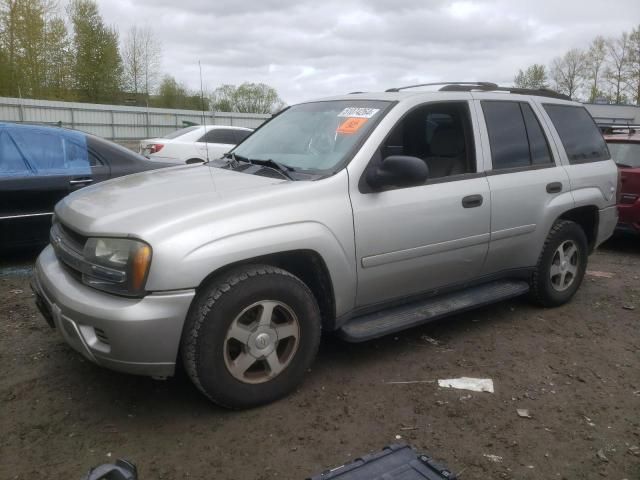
204,118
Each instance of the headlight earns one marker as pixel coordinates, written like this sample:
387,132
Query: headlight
117,265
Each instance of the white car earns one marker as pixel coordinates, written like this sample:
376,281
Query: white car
190,144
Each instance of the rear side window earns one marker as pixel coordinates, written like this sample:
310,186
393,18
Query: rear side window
515,135
580,136
241,135
51,151
220,135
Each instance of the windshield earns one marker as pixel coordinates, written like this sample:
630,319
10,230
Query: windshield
625,153
180,132
315,136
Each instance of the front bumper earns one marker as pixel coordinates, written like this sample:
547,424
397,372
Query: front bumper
131,335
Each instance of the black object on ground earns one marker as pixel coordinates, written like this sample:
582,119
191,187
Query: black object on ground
397,461
121,470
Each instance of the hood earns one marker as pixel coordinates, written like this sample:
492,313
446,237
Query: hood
138,204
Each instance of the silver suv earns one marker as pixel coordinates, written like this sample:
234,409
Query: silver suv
362,214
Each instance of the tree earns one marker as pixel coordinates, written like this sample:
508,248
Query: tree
172,94
141,55
633,70
567,72
594,66
59,65
618,56
98,66
534,76
247,98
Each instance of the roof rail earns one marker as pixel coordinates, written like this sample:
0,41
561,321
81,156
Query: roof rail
540,92
487,87
470,84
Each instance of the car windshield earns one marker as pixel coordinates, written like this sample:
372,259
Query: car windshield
625,153
181,132
316,137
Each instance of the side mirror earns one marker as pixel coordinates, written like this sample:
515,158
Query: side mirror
398,171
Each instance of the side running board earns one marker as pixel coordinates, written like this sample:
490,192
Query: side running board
378,324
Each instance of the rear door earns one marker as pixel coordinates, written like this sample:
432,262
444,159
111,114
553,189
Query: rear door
527,182
52,160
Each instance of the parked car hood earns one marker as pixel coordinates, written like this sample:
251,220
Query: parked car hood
136,205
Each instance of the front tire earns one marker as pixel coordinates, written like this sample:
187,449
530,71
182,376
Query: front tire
561,266
250,336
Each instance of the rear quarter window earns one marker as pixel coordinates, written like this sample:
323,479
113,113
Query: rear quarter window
580,136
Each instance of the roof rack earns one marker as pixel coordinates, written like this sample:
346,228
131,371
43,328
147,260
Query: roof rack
461,84
488,87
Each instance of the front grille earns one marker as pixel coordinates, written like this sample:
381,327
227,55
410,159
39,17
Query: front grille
73,239
68,246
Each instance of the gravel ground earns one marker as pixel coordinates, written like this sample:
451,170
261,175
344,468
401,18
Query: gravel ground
575,368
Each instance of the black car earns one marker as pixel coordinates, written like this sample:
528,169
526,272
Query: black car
40,165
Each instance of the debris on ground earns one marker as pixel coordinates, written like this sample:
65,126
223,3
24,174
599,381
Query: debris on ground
523,413
595,273
16,292
430,340
493,458
467,383
407,382
628,307
600,454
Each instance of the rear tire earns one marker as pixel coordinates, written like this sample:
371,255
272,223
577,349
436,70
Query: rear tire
250,336
561,265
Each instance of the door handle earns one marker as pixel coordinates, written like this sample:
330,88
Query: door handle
554,187
472,201
80,181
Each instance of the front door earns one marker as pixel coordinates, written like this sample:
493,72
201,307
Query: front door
423,238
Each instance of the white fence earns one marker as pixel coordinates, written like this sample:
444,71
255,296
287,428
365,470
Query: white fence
118,123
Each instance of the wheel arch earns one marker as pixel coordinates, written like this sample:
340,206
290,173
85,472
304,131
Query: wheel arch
308,265
587,217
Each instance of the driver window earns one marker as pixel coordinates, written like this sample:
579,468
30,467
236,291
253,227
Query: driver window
440,134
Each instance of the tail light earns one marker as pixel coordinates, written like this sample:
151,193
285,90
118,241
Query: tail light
155,147
619,187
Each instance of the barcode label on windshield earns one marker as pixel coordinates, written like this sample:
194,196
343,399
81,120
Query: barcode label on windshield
358,112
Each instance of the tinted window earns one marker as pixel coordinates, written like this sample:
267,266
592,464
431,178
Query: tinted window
538,145
507,134
241,135
180,132
438,133
11,160
220,135
94,161
580,137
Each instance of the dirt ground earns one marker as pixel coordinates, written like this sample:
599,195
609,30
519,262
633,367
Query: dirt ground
576,369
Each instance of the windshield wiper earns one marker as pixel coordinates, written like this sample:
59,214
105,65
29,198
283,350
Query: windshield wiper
269,163
234,159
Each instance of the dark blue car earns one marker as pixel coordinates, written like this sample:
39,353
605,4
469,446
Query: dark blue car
40,165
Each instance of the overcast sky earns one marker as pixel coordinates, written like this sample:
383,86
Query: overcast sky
307,49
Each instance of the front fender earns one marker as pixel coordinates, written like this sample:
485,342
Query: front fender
190,270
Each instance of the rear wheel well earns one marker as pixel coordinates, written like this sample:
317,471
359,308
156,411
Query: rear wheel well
307,265
587,218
